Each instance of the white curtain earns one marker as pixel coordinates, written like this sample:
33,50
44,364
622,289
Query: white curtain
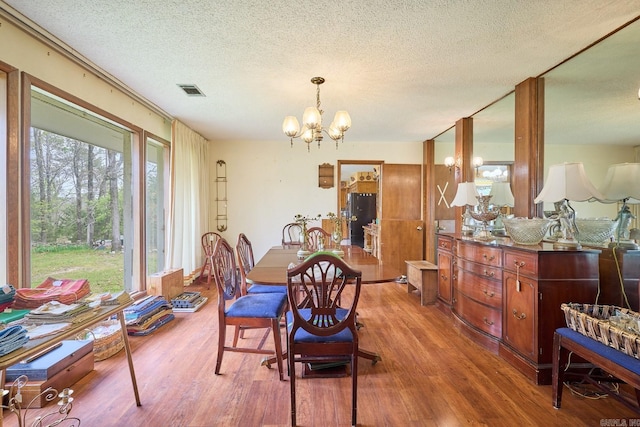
189,211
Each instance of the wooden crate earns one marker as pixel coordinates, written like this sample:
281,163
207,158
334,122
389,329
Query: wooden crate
63,379
169,283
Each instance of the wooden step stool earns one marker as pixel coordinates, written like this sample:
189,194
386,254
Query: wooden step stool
423,275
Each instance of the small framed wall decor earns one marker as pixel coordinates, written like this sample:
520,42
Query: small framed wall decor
325,176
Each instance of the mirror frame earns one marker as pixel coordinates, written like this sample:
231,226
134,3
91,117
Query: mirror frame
375,163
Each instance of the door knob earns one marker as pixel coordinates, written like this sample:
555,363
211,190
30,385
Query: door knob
419,228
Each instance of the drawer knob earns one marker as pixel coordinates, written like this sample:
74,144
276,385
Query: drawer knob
489,273
488,294
520,316
487,322
443,277
488,258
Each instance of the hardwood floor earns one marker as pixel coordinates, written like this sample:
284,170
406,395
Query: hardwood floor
430,375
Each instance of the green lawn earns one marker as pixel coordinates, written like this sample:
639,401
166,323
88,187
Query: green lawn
104,270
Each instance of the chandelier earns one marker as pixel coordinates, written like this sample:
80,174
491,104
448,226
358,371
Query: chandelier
312,123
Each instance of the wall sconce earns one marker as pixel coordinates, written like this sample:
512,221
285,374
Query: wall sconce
450,162
477,162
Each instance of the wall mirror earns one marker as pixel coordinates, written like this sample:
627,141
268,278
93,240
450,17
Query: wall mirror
592,111
444,177
493,141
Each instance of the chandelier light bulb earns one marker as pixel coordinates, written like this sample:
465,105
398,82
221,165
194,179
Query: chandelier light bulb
311,117
307,135
290,126
334,132
342,121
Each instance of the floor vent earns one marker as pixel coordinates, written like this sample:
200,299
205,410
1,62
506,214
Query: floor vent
191,90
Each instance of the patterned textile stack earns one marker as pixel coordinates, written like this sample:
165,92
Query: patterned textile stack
12,339
147,315
57,312
66,291
7,295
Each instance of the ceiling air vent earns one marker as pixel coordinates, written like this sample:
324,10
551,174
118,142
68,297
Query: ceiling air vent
191,90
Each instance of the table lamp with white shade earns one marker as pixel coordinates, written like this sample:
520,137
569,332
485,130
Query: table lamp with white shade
501,197
466,196
567,182
622,184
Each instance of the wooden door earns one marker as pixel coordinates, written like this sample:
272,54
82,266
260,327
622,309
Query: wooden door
401,233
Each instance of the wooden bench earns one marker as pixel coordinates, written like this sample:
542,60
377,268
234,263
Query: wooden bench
623,367
423,275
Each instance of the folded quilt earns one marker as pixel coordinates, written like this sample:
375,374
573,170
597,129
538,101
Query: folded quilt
67,291
12,339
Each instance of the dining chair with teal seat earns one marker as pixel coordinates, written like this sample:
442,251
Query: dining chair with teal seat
321,321
243,312
246,262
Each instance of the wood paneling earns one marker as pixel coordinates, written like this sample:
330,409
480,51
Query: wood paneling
528,168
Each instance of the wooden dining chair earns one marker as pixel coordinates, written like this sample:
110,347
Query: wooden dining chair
208,241
246,262
319,330
315,235
291,234
253,311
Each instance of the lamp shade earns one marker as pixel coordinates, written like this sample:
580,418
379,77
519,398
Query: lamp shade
622,182
290,126
501,194
342,121
567,181
466,194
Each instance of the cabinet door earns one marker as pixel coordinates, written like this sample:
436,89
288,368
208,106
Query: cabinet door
519,325
444,276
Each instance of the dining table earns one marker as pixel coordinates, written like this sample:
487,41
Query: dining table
271,269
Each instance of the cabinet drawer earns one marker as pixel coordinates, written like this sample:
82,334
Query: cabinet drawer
444,243
482,254
482,317
524,262
480,289
482,270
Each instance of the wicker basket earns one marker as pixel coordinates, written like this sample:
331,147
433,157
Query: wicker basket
592,320
107,339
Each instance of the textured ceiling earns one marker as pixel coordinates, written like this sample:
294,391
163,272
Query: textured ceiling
405,70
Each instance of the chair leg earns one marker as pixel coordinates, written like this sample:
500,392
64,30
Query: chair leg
292,385
275,326
236,333
221,339
354,387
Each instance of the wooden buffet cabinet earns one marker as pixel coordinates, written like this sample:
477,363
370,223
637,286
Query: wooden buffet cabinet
507,297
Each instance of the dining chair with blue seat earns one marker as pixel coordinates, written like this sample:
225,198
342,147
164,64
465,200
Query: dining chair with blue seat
208,241
254,311
321,322
246,262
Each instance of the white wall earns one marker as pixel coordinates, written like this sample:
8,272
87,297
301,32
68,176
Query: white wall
270,182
